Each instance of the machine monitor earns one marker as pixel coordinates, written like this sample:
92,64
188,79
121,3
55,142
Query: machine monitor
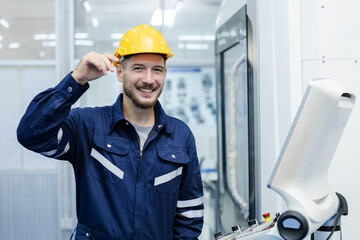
300,175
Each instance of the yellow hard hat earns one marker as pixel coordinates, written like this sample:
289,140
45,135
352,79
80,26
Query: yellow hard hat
142,39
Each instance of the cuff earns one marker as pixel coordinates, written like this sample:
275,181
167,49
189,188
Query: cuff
70,89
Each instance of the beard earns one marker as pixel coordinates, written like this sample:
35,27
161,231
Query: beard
129,91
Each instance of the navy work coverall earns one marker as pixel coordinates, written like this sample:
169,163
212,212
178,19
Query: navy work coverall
121,192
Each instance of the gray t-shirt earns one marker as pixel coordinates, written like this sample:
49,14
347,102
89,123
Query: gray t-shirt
143,133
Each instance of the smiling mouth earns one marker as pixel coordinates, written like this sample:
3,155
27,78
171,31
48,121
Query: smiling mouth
146,90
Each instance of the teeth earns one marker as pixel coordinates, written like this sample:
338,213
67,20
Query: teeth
146,90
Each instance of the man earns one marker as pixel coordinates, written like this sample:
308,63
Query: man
136,169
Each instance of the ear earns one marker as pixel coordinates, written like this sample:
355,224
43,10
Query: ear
119,72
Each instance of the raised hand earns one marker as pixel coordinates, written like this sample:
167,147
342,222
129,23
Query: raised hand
93,66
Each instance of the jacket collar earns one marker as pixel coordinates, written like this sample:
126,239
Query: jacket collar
161,118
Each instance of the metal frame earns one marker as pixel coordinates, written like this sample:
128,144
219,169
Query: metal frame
64,27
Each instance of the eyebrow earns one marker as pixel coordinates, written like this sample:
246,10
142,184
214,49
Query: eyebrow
143,65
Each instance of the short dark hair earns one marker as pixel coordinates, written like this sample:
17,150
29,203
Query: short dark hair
125,59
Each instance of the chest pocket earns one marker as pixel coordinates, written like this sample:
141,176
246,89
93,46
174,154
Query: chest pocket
108,158
172,163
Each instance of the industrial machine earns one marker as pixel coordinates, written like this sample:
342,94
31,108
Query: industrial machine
300,174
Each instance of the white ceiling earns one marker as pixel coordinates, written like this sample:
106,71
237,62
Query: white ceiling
197,17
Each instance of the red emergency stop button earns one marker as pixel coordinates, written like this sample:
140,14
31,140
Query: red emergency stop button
267,217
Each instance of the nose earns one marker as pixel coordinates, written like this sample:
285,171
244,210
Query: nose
148,78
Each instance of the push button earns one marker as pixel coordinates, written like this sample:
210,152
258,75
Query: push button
236,228
218,235
267,217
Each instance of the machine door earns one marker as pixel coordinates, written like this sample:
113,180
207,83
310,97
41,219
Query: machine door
235,125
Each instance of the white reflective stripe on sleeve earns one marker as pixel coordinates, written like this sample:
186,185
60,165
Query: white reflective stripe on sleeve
167,177
49,153
52,152
193,213
60,135
107,164
190,203
67,147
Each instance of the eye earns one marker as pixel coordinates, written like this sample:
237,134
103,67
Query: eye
138,68
159,70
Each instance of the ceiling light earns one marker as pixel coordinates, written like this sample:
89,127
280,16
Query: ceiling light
51,36
44,36
1,38
95,22
181,46
115,44
14,45
40,36
116,35
169,17
52,44
4,23
49,44
196,46
196,37
179,5
193,46
84,42
1,46
87,6
156,19
81,35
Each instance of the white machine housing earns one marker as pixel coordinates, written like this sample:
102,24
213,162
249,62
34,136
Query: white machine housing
300,174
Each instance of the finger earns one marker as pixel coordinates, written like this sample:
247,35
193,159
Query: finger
111,57
100,62
108,63
104,68
98,66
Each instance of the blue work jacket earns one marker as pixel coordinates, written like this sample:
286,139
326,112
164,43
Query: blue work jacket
122,193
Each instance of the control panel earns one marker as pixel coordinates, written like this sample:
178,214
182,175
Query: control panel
252,231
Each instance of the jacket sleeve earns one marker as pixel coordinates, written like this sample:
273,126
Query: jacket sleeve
190,205
47,126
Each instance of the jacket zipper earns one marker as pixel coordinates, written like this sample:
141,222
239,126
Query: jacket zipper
138,175
141,149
